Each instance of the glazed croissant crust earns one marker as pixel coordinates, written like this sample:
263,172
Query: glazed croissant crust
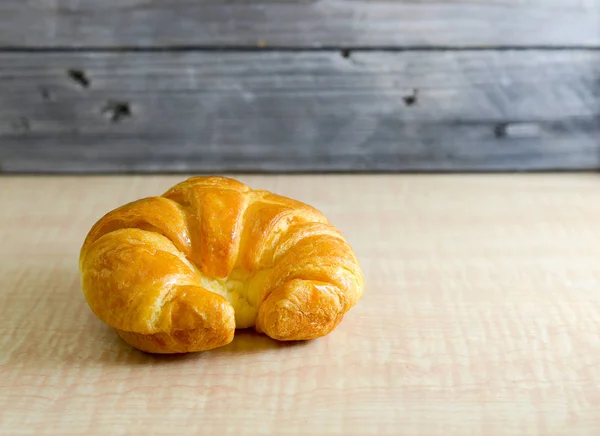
180,272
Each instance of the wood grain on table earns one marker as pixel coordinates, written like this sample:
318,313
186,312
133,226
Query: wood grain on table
481,317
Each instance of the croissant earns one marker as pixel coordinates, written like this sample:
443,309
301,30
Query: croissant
181,272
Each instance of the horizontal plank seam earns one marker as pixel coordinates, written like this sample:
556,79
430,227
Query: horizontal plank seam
200,48
5,172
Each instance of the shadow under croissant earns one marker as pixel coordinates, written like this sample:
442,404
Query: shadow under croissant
57,329
248,340
245,341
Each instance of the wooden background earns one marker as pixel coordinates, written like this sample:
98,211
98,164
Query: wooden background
299,85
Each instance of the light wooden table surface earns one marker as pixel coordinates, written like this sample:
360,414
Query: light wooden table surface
481,317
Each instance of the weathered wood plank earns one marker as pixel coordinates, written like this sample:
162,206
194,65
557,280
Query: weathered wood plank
300,111
299,23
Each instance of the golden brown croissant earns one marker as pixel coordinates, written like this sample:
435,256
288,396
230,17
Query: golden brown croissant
180,272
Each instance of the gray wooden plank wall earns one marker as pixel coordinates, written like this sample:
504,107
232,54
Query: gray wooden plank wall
299,23
299,85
